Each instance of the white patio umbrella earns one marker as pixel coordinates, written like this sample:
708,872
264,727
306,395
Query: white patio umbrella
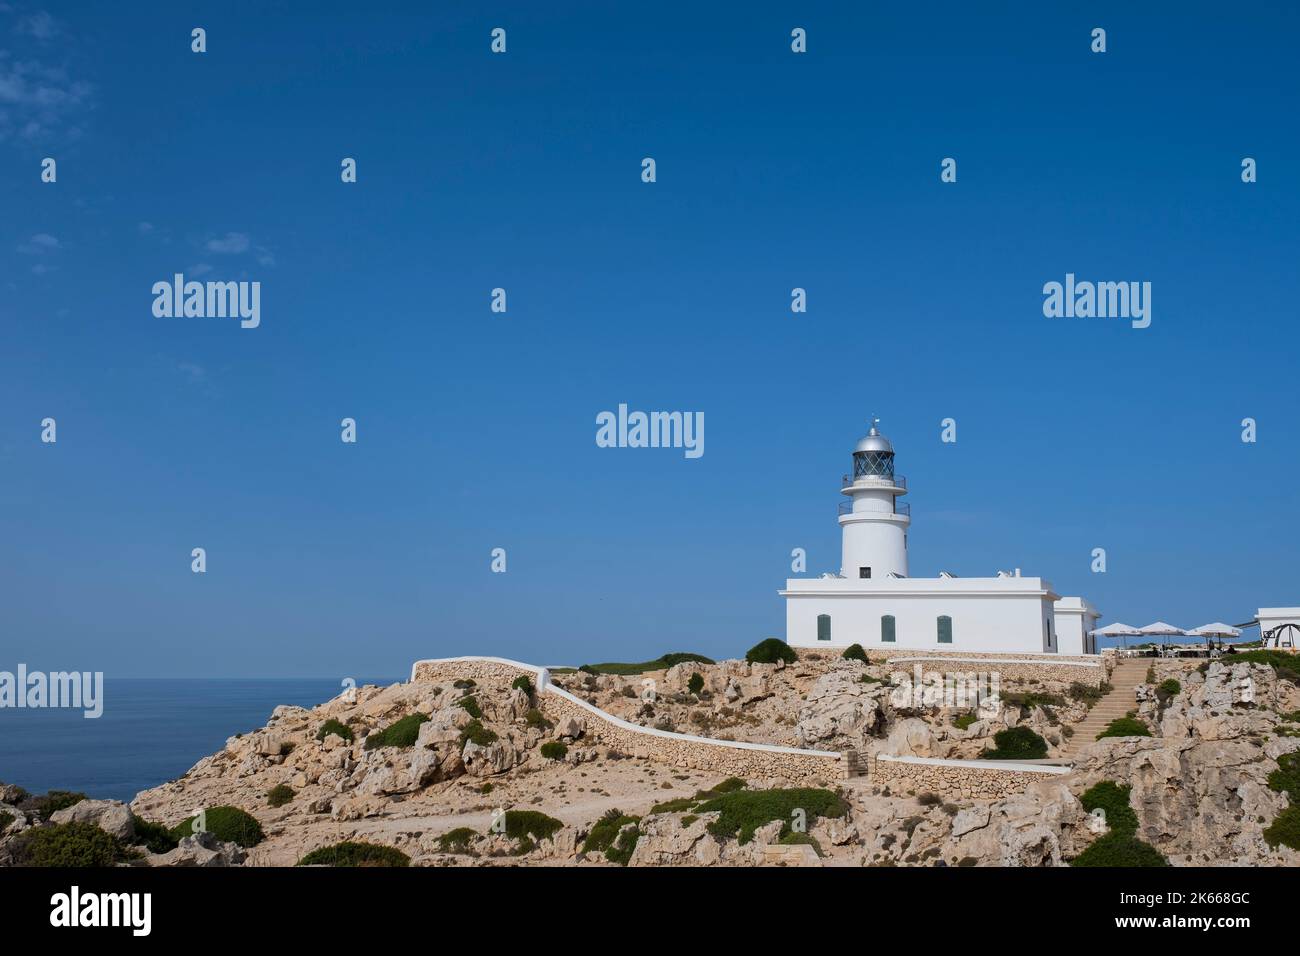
1161,629
1217,629
1117,629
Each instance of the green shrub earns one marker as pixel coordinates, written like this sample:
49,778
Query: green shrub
770,651
1285,829
154,837
523,683
279,795
868,679
464,684
1016,743
54,801
695,684
1120,849
228,824
458,840
679,805
1113,799
730,785
349,853
333,726
400,733
1286,778
6,818
1033,699
1125,727
741,812
1086,693
1169,687
962,721
70,844
521,824
535,718
470,706
854,652
658,664
554,750
604,837
476,732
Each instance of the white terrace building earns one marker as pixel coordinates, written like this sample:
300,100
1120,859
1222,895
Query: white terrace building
873,601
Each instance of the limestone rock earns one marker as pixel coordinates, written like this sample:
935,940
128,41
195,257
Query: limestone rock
111,816
201,849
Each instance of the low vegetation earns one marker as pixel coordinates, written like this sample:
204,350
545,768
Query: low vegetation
1125,727
1016,743
535,718
695,684
1285,829
475,731
1286,665
1120,849
1113,800
523,683
336,727
742,812
349,853
470,705
855,652
606,837
70,844
228,824
963,721
279,795
658,664
400,733
554,750
459,840
770,651
524,824
154,837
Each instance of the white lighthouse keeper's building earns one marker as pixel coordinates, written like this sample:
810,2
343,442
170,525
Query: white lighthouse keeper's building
873,601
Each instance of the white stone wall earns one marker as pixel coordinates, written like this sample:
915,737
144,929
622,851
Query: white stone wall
971,779
726,758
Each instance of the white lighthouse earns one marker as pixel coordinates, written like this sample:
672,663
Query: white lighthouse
874,601
873,521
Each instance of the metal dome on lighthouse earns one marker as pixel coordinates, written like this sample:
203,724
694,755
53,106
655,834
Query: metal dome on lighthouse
874,523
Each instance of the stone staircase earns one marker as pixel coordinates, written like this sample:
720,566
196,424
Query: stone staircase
1128,673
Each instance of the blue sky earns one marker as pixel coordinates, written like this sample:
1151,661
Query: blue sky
476,430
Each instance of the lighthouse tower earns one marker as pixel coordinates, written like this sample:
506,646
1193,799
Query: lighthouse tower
874,522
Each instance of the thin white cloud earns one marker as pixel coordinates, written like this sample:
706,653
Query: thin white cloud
232,243
39,244
40,25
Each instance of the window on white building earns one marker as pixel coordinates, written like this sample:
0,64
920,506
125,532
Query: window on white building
887,629
864,572
945,629
823,627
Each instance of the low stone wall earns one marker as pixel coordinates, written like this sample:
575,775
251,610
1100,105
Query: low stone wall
727,758
1091,671
973,779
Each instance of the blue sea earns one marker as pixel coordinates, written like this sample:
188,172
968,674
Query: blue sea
151,731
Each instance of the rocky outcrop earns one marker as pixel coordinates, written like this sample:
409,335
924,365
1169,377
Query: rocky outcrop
111,816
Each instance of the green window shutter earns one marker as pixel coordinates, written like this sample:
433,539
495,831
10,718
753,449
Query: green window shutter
945,629
887,629
823,627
